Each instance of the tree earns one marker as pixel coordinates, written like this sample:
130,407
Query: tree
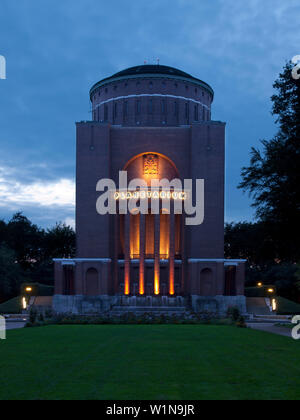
273,176
3,232
249,241
60,242
25,239
27,252
11,275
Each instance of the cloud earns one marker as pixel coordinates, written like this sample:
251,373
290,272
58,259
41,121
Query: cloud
55,54
70,221
15,194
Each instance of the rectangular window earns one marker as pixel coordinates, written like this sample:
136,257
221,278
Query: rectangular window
187,111
163,106
176,109
150,106
115,110
138,107
125,109
196,112
105,112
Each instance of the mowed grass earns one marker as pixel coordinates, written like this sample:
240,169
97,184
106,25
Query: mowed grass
148,362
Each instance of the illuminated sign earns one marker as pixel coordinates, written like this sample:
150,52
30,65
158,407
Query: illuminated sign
142,195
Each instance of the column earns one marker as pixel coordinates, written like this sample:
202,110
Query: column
127,255
172,250
156,253
142,254
116,250
79,286
58,274
240,279
183,252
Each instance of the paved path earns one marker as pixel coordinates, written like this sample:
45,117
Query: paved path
14,325
271,328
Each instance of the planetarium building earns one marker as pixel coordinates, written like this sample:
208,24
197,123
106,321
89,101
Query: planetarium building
152,122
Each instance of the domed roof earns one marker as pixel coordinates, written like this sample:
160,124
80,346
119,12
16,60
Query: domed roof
154,70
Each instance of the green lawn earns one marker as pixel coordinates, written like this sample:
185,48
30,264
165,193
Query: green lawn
148,362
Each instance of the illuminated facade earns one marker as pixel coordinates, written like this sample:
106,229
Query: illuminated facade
155,123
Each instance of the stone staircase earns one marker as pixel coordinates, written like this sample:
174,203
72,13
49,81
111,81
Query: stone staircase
258,306
154,305
23,317
271,319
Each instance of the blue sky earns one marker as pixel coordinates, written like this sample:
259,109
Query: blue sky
55,50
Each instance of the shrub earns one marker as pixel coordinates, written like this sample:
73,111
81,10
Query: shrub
41,318
32,315
131,318
233,313
48,314
241,322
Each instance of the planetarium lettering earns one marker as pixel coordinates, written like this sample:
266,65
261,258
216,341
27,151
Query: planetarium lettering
137,197
171,195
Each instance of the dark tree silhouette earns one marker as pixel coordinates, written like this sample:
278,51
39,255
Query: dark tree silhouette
273,176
